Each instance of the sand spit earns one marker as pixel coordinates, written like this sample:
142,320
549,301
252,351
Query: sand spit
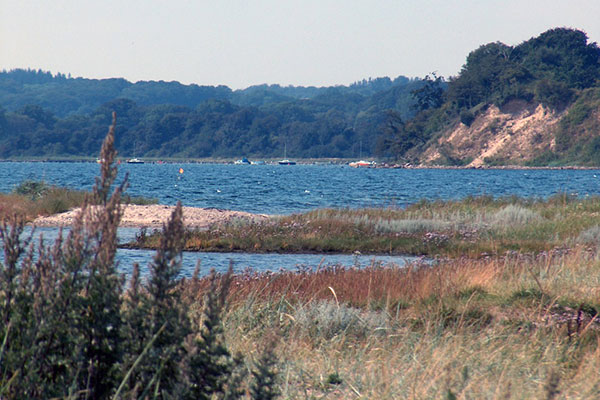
153,216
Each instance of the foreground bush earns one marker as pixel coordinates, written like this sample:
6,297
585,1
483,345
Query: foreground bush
70,327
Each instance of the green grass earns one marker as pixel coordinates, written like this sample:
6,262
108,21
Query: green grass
473,227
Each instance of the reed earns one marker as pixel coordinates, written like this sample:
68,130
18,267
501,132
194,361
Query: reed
510,327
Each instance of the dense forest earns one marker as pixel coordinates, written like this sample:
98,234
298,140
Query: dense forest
46,115
559,69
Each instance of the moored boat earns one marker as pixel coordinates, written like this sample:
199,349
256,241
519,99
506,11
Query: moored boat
362,164
285,161
243,161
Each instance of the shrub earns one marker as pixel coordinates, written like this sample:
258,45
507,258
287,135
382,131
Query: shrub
515,215
467,117
590,235
32,189
69,329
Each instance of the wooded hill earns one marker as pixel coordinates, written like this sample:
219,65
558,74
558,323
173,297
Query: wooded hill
537,103
46,115
468,119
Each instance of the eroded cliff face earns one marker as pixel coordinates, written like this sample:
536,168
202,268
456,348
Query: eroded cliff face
512,135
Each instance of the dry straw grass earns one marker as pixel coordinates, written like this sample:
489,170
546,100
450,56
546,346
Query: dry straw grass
507,327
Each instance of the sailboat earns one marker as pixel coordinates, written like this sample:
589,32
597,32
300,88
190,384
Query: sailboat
362,163
135,160
285,161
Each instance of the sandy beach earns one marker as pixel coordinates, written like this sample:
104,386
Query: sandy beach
153,216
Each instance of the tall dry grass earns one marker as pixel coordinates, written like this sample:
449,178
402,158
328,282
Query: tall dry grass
511,327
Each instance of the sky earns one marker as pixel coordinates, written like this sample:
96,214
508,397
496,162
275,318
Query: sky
240,43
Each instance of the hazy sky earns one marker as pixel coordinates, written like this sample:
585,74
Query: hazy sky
240,43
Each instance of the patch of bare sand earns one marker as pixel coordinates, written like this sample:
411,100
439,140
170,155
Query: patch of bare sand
154,216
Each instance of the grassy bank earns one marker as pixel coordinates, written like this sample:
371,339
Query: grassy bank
472,227
510,328
32,199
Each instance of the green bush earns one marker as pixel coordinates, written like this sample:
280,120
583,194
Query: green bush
467,117
32,189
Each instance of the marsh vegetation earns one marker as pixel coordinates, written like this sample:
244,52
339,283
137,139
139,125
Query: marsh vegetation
31,199
516,324
473,227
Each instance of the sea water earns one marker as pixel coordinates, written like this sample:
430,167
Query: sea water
278,189
275,189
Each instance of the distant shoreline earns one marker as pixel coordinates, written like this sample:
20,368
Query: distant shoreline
324,161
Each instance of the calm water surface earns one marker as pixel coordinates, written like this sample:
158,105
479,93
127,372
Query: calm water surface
241,261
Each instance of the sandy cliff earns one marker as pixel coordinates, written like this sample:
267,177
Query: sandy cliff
518,132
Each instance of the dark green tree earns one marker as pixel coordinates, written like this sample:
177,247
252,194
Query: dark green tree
210,364
431,94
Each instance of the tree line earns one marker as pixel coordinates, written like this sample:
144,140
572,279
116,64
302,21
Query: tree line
45,115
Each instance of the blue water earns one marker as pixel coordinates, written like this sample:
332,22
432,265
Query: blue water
275,189
220,261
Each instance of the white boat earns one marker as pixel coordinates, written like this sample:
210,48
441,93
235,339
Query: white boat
285,161
134,161
362,164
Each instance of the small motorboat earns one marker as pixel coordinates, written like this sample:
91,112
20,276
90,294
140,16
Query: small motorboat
243,161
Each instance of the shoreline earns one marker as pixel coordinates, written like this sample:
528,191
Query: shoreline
325,161
155,215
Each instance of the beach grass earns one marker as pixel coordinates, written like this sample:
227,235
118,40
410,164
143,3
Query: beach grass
473,227
511,327
31,199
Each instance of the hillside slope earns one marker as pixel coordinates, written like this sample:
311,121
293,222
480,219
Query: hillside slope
537,104
521,133
515,134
